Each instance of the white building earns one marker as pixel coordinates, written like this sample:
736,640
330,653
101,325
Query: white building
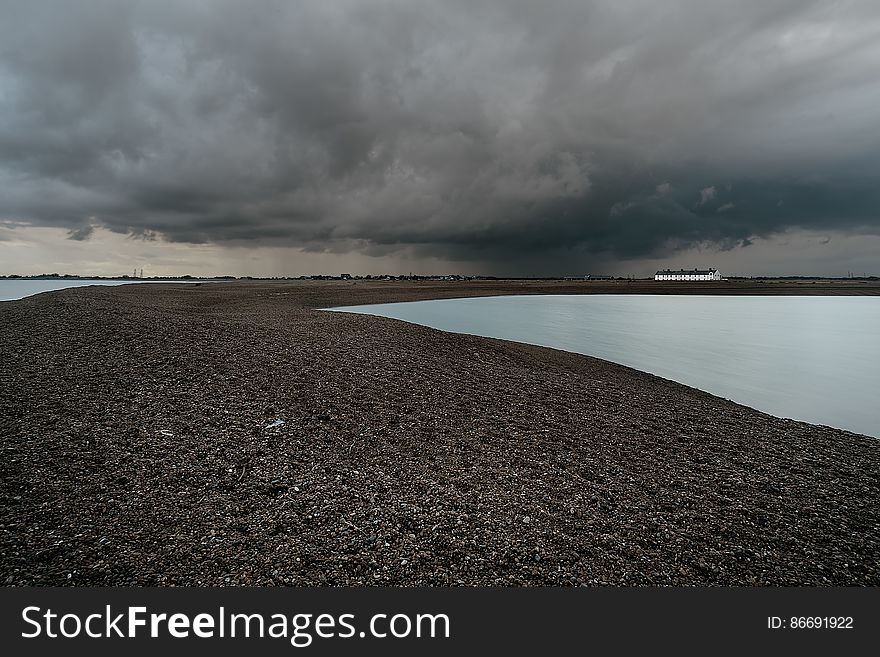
688,275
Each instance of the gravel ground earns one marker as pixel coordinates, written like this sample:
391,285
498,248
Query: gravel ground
231,434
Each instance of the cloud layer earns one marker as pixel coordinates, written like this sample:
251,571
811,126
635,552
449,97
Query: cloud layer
489,131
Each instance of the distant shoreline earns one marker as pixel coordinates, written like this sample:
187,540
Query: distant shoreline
365,291
733,280
231,434
352,293
360,292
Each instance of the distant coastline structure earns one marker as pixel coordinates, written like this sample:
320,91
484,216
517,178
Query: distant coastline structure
688,275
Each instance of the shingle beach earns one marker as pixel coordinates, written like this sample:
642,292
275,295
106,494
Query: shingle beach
235,434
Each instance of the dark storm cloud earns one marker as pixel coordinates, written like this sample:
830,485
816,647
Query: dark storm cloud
483,130
81,233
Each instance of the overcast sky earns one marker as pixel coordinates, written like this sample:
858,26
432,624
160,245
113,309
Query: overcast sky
473,136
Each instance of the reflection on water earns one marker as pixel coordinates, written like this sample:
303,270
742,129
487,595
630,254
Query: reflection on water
815,359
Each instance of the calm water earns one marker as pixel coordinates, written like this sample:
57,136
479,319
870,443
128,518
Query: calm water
10,290
815,359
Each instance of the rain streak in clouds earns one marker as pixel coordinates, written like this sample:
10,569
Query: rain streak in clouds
512,136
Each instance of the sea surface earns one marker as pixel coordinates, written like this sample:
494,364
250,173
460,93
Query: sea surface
17,288
810,358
